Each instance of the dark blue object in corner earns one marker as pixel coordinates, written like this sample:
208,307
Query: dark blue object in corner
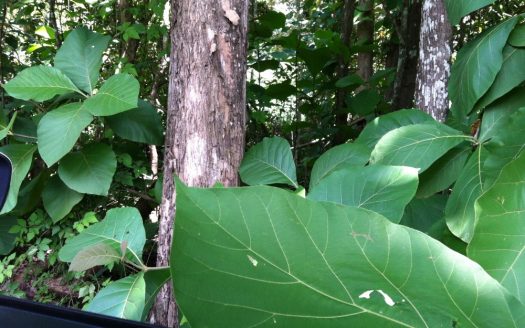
6,169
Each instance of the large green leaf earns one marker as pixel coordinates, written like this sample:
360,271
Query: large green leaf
7,240
476,67
30,195
39,83
383,124
517,37
123,298
89,171
457,9
510,76
269,162
21,157
155,279
58,199
94,255
497,115
459,212
426,215
120,225
118,94
417,145
80,57
338,157
59,130
444,172
143,124
505,146
382,189
499,236
261,257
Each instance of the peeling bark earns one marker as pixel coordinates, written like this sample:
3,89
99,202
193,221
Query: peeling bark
434,60
206,110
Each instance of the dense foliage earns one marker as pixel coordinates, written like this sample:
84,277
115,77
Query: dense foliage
412,222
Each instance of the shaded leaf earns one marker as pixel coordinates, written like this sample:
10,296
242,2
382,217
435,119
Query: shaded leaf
338,157
517,37
89,171
154,279
143,124
444,172
58,199
432,222
7,240
383,189
269,162
383,124
459,212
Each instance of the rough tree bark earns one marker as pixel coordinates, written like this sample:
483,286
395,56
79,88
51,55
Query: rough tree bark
206,110
434,60
407,26
342,70
365,37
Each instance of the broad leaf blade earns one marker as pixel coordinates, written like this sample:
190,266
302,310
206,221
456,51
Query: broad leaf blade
154,279
262,256
476,67
459,212
426,215
119,225
92,256
418,145
7,240
338,157
383,124
39,83
118,94
269,162
59,130
58,199
143,124
80,57
383,189
89,171
21,157
499,236
510,76
457,9
123,298
497,115
444,172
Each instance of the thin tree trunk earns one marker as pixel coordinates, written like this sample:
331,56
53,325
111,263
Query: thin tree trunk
365,37
206,110
434,60
408,28
342,70
53,23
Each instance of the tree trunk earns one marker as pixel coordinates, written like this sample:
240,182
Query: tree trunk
206,110
347,26
434,60
408,26
365,37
